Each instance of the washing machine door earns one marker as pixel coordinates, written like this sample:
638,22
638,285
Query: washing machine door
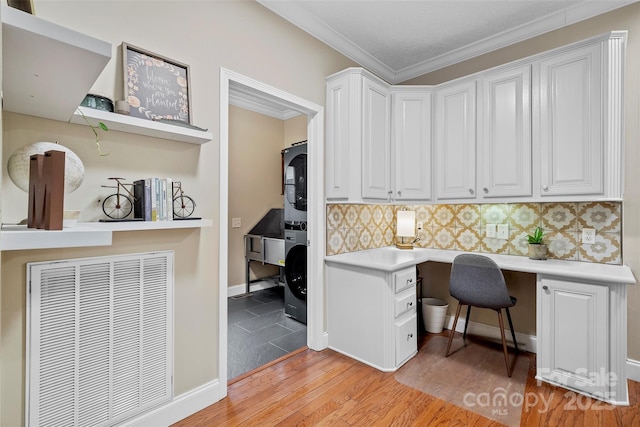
295,271
295,182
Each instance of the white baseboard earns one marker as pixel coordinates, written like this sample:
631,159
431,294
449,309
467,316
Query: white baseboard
633,369
525,342
240,289
180,407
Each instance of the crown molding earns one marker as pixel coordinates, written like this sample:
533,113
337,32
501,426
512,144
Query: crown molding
252,100
297,15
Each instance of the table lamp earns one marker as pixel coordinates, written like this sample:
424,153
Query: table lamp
405,228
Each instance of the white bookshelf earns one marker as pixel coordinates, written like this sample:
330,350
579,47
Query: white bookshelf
19,237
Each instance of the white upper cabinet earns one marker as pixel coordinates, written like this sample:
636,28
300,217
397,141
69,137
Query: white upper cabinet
504,133
411,142
376,140
364,162
339,131
456,141
547,127
570,114
580,119
358,136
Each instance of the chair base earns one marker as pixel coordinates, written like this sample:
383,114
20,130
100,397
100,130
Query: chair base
500,321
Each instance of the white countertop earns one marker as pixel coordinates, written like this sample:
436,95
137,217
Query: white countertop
391,258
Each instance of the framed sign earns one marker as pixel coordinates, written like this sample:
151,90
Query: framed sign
155,87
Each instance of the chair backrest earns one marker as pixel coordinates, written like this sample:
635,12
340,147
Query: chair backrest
478,281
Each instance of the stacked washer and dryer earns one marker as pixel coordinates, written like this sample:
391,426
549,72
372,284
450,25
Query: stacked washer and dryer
295,232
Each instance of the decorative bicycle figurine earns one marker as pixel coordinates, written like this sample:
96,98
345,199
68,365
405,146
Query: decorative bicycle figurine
183,205
118,205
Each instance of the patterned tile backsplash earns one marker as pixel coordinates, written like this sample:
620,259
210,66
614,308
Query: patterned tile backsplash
354,227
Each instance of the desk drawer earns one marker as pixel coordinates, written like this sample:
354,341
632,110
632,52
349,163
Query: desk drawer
406,338
405,301
404,279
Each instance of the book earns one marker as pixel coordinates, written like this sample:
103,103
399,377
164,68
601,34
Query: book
139,199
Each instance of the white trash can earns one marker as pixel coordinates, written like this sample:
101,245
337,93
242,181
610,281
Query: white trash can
434,311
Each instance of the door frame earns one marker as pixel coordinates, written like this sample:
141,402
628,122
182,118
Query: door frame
317,338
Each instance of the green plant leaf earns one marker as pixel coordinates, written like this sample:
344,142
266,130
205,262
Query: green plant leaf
103,126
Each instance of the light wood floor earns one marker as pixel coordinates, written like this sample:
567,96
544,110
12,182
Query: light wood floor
312,388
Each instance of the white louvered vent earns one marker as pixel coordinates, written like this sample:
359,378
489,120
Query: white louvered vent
99,338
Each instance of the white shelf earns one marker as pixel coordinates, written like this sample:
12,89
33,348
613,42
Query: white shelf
149,225
47,69
19,237
136,125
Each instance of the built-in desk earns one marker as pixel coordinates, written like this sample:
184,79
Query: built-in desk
581,314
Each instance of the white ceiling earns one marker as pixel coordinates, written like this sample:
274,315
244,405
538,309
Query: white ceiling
399,40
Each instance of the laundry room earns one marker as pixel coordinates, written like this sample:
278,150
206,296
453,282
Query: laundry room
267,222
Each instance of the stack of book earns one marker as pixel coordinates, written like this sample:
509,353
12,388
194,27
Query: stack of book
153,199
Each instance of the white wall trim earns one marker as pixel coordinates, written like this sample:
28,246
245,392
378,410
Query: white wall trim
230,81
241,289
525,342
633,369
180,407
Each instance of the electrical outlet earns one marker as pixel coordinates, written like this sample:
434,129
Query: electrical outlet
588,236
236,222
491,230
503,231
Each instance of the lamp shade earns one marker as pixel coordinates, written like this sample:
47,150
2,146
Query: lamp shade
406,223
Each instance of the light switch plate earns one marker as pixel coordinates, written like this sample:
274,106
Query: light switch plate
236,222
491,230
588,236
503,231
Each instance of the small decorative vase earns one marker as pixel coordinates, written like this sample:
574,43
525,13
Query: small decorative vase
537,251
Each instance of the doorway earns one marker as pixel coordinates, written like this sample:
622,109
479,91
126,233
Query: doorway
261,326
252,91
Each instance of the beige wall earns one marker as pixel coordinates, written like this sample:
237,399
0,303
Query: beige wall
255,179
627,18
239,35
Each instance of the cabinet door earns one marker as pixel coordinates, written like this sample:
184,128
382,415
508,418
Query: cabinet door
406,338
505,133
412,145
456,141
338,138
571,117
376,140
573,322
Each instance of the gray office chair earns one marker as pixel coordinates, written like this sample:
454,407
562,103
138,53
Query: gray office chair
476,280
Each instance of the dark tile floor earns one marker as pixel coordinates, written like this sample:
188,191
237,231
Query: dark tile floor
259,331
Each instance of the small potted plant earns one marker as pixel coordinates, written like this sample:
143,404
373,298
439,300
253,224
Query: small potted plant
537,248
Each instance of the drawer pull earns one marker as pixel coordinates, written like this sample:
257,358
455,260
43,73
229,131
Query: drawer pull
409,336
409,281
545,287
410,304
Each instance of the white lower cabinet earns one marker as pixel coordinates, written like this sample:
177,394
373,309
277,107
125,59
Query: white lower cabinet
371,315
582,337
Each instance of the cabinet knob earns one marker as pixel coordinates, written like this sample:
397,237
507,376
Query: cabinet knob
409,304
545,188
409,336
545,287
486,190
399,193
409,281
471,191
